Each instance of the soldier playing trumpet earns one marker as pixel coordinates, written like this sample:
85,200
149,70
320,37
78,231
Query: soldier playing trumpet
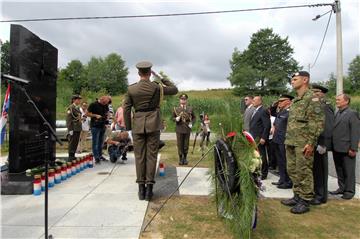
184,117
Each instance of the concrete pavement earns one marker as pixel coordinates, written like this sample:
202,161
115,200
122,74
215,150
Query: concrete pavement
102,202
97,203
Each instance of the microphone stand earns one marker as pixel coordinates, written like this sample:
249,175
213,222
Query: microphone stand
45,134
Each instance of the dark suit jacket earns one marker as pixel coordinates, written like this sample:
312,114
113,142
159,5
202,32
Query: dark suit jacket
280,125
346,131
260,124
325,136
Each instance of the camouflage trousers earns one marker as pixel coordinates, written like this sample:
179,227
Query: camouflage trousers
300,170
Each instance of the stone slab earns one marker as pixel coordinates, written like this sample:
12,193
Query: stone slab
197,183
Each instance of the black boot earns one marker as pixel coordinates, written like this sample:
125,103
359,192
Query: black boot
142,191
301,207
185,162
291,201
71,157
149,192
181,162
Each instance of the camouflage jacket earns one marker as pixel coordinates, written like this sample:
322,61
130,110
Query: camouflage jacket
306,120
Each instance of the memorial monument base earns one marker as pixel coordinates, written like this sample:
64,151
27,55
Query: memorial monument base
19,184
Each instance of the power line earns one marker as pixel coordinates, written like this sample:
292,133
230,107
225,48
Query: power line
322,42
165,15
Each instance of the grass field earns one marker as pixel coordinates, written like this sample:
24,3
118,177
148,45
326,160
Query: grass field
195,217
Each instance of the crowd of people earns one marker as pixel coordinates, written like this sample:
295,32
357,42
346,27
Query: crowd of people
294,134
294,137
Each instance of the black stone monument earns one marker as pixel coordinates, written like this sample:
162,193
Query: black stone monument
33,59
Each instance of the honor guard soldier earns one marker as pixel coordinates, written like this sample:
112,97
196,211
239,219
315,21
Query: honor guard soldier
74,125
184,117
305,123
323,146
145,97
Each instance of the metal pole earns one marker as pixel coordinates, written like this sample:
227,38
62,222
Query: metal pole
339,53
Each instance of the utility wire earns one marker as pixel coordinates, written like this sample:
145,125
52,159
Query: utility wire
165,15
322,42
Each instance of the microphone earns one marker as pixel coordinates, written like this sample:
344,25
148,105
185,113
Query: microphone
15,79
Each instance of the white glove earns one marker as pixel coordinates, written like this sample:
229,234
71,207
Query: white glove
71,132
190,125
177,119
321,149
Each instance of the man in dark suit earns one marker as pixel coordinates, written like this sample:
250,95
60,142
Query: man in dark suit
260,129
320,167
145,96
280,125
345,138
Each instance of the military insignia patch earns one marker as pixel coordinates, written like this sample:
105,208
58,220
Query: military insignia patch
317,110
315,99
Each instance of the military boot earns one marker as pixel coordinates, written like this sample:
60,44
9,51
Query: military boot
149,192
301,207
185,160
71,157
142,191
181,162
291,201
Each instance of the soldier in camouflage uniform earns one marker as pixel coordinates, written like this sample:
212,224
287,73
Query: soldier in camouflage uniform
74,125
145,97
305,123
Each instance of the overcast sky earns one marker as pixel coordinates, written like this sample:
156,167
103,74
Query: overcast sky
193,50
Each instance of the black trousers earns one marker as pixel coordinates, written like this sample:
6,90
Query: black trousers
270,147
280,155
73,143
320,172
265,165
345,170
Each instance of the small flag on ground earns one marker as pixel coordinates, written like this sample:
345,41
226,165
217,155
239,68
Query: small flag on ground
4,114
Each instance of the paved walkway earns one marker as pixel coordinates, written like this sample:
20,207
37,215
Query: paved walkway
102,202
97,203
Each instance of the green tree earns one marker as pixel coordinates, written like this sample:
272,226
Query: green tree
74,74
354,73
5,58
264,66
115,74
331,85
109,74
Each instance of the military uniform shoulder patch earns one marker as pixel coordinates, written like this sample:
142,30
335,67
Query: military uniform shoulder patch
315,99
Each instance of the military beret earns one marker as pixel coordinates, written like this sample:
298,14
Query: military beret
144,65
319,87
74,97
183,96
301,73
285,97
